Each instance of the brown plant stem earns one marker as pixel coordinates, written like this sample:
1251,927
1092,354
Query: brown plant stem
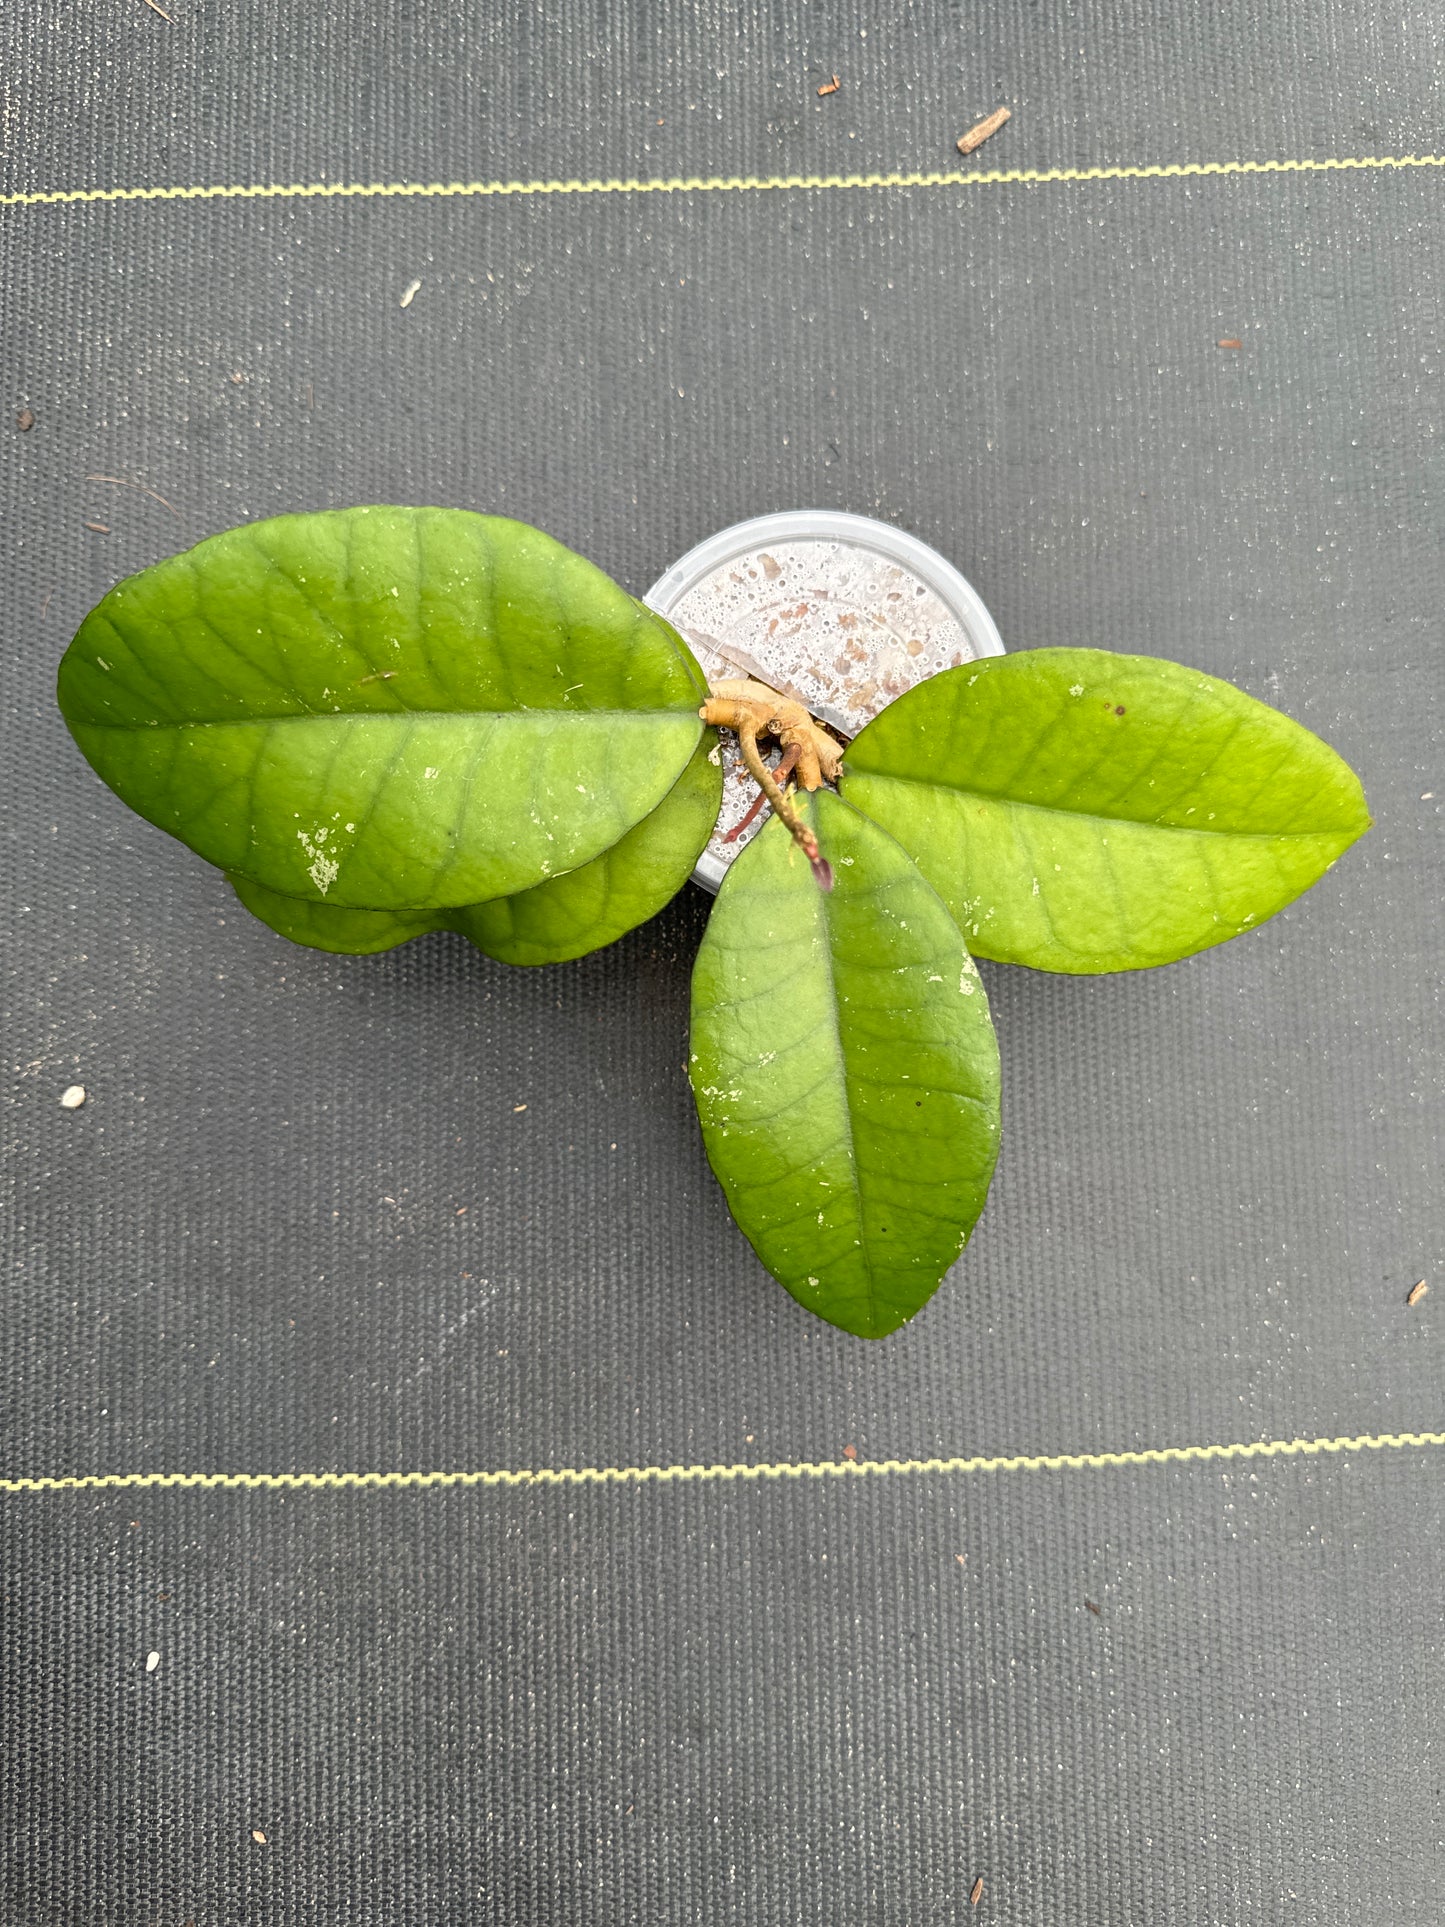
786,765
745,715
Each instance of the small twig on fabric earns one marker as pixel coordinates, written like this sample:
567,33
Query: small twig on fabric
976,136
124,481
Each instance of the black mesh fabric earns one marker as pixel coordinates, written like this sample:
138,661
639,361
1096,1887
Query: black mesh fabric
300,1224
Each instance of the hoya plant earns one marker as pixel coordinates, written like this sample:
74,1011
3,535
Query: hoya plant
386,721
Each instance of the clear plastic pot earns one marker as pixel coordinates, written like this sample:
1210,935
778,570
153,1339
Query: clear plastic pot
843,611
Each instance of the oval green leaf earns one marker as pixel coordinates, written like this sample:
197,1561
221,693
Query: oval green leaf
625,886
1083,811
845,1070
326,926
566,917
384,708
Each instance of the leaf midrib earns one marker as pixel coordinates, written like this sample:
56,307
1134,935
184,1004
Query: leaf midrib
1091,816
384,715
854,1163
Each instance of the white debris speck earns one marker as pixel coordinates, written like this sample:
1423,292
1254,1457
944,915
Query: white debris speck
714,755
820,1217
322,869
1076,689
581,789
935,980
102,661
413,290
848,860
152,1661
1036,886
429,773
814,1283
72,1097
349,828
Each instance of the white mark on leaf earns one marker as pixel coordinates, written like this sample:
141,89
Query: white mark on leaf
322,869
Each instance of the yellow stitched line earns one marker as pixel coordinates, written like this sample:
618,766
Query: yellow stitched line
713,1474
699,184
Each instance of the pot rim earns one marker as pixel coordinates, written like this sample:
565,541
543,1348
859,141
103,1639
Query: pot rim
953,589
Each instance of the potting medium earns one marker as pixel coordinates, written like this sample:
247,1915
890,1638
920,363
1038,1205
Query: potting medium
843,612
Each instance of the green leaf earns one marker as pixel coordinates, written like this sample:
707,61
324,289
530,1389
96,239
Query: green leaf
384,708
326,926
625,886
845,1070
563,918
1081,811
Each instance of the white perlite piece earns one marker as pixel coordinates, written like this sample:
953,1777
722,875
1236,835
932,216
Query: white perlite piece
849,629
152,1661
72,1097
